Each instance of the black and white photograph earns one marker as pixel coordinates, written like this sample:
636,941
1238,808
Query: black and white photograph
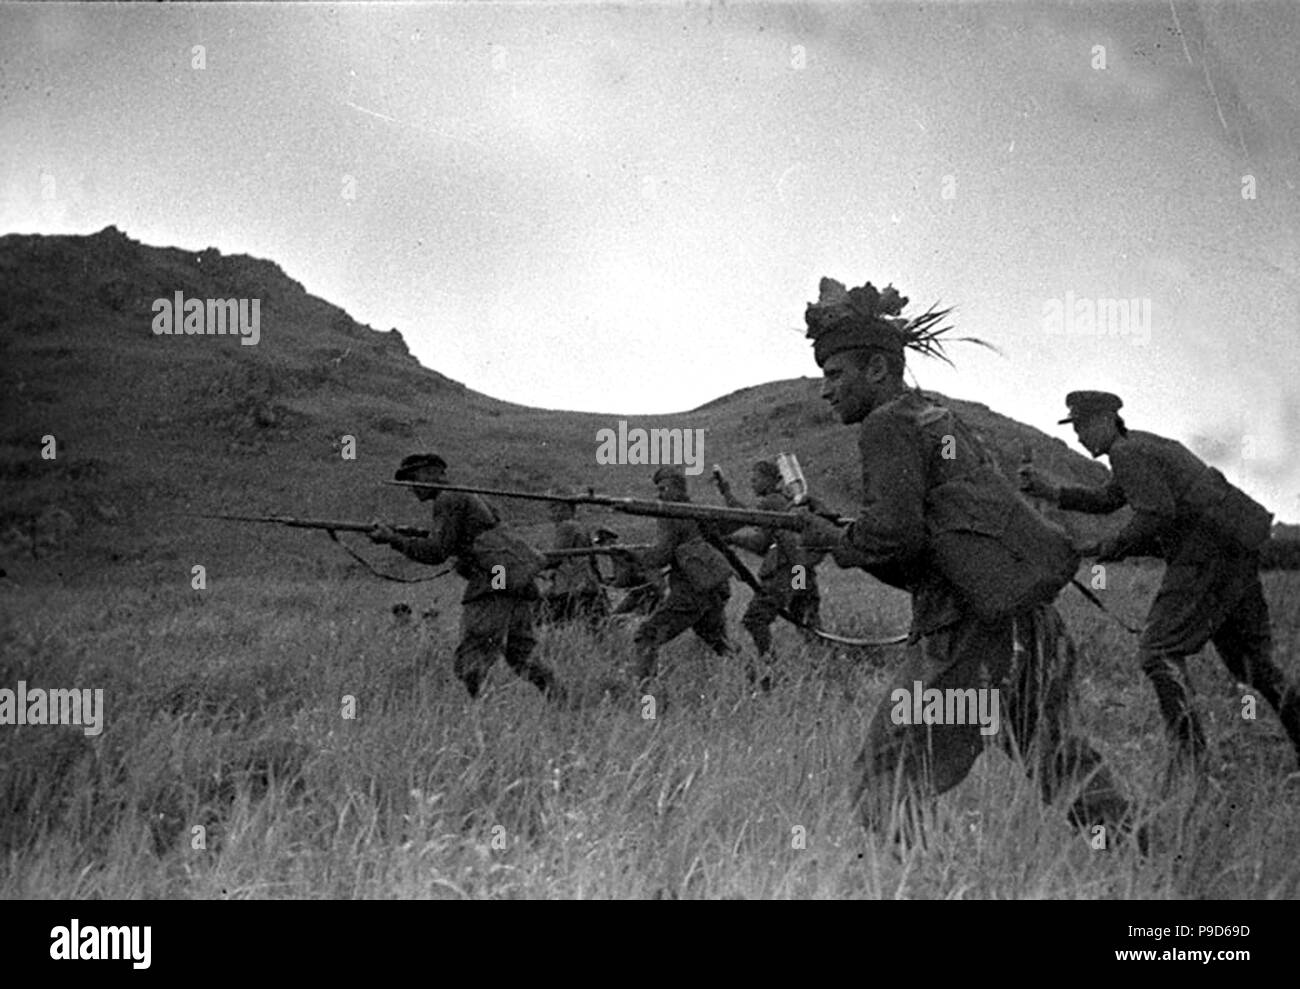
711,451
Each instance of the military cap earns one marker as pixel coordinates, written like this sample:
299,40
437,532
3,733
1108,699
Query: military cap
670,470
414,462
603,536
1085,403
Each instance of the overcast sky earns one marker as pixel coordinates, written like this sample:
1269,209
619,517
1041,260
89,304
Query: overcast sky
626,210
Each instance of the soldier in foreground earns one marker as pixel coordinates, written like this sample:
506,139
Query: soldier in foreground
787,575
575,592
928,483
699,583
500,572
1209,533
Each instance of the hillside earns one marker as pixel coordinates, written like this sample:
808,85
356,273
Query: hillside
151,427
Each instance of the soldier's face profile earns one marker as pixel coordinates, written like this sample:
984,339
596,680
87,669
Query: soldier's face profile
851,385
429,475
1095,433
671,489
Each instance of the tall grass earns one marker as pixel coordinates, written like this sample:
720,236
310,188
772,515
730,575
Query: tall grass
224,719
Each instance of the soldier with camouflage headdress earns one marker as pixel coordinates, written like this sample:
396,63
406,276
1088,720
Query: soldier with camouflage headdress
497,607
928,485
1209,533
699,583
788,574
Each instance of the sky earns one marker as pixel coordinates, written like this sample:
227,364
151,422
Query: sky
625,210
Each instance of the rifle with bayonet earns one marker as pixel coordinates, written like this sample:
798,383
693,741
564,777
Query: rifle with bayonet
553,556
792,521
327,525
333,527
729,517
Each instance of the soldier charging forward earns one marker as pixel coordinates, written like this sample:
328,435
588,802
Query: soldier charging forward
1209,534
576,592
499,569
981,614
788,574
699,583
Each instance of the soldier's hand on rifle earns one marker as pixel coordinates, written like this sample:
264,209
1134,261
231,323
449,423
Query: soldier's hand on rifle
1035,484
813,504
819,533
382,533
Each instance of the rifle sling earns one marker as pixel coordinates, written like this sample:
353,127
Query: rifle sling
379,573
744,573
1087,593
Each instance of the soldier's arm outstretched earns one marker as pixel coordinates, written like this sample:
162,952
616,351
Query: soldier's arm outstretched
1147,491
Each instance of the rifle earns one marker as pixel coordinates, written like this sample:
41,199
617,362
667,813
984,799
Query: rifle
333,527
682,510
736,517
553,556
328,525
563,554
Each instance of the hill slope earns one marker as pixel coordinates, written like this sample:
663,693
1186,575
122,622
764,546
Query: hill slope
148,427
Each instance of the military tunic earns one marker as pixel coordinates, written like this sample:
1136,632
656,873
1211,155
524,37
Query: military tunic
492,621
777,576
698,590
1211,591
908,447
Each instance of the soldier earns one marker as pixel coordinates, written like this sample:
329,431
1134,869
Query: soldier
1208,533
788,574
699,583
644,588
576,591
926,477
497,607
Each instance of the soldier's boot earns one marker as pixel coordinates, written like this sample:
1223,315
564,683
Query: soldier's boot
649,696
644,666
1181,723
543,678
1289,714
758,672
1271,684
473,682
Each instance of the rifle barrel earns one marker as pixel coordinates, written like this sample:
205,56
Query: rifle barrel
332,525
792,521
579,551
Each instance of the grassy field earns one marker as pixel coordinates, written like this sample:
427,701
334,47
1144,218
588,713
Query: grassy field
224,718
225,706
